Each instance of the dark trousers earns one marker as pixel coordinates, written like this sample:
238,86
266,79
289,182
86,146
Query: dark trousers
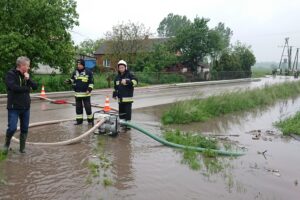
13,116
86,102
125,110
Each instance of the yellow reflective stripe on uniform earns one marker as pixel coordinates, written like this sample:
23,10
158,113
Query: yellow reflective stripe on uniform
83,78
90,116
134,82
117,82
82,94
79,116
91,86
127,99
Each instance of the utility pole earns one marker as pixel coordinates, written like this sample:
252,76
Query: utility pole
295,64
286,57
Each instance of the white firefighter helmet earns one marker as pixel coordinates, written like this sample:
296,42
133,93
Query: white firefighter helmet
122,62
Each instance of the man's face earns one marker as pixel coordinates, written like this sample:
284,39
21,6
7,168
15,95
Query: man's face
122,68
23,68
79,66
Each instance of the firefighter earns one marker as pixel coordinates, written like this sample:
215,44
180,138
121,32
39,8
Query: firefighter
124,84
83,84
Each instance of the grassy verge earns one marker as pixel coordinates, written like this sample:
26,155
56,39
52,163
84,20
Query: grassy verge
260,72
189,139
207,161
2,156
290,125
191,158
199,110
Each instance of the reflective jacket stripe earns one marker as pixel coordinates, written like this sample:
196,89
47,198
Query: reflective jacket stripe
82,94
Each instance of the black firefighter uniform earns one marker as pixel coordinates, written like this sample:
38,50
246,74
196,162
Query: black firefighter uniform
83,81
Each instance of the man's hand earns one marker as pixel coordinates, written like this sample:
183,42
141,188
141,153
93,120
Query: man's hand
87,92
26,75
123,82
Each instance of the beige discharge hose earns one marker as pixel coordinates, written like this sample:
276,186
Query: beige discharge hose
66,142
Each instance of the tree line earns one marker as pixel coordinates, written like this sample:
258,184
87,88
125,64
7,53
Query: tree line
40,29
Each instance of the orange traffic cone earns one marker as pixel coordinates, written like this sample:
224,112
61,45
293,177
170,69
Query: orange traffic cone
106,105
43,93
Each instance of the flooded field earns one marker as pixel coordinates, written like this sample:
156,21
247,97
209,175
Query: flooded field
133,166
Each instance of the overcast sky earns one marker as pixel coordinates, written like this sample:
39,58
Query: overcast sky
263,24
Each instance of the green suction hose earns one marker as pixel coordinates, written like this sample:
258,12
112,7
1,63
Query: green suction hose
170,144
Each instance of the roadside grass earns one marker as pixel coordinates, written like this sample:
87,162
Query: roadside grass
55,83
290,125
200,110
189,139
207,162
190,157
260,72
3,156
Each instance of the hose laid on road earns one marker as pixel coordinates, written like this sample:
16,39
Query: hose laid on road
99,123
70,102
171,144
66,142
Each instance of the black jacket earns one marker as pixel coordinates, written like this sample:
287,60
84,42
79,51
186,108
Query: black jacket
124,92
82,81
18,90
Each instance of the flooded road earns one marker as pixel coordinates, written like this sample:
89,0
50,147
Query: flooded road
140,168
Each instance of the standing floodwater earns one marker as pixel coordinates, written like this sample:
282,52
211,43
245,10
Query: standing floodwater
133,166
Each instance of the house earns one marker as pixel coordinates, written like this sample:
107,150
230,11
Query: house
107,62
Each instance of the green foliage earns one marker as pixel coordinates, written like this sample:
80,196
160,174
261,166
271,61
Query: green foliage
290,125
55,83
238,58
126,41
159,78
193,42
245,56
94,169
160,58
107,182
260,72
229,62
197,110
191,159
171,24
89,46
189,139
37,29
3,156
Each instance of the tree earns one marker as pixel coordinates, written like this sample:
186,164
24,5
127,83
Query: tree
37,29
238,58
245,55
160,58
171,24
127,40
220,38
229,62
194,42
88,47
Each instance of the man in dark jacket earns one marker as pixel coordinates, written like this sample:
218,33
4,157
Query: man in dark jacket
83,84
18,84
124,84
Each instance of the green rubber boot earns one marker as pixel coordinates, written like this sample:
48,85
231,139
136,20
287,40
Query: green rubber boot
23,137
6,144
